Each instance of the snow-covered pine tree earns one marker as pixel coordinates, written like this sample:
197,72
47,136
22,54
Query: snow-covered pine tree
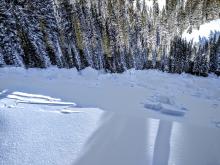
96,28
180,55
164,62
131,35
2,63
46,11
138,49
85,29
29,29
70,34
122,37
201,66
212,53
155,36
144,34
218,56
10,45
112,33
188,55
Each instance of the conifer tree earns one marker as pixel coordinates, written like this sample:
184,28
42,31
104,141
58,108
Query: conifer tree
1,59
70,33
29,27
46,11
201,61
218,57
9,40
107,34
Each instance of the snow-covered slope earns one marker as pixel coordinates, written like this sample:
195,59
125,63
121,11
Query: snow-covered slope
204,31
59,116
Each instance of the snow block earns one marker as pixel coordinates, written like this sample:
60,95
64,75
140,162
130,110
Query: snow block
170,110
153,105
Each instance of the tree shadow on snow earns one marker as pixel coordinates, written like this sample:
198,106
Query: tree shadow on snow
122,140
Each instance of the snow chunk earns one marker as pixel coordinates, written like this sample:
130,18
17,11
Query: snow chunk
48,103
26,98
153,105
165,105
170,110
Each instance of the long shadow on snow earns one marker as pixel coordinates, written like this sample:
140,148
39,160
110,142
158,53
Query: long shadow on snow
122,140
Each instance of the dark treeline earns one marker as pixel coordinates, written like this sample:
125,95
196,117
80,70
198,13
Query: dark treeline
114,35
197,59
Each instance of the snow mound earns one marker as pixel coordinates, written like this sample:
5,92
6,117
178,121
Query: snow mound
89,73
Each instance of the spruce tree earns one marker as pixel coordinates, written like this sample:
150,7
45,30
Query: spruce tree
46,11
10,44
218,57
70,33
1,59
213,53
29,26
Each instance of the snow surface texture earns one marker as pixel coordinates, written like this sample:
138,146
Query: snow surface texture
143,117
204,31
37,131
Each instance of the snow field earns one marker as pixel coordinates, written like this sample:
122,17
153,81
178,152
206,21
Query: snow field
58,116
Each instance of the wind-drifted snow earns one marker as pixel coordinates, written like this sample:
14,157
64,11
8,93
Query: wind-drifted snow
60,116
204,31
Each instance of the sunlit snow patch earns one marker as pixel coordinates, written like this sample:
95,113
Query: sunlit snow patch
204,31
54,130
35,96
37,99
